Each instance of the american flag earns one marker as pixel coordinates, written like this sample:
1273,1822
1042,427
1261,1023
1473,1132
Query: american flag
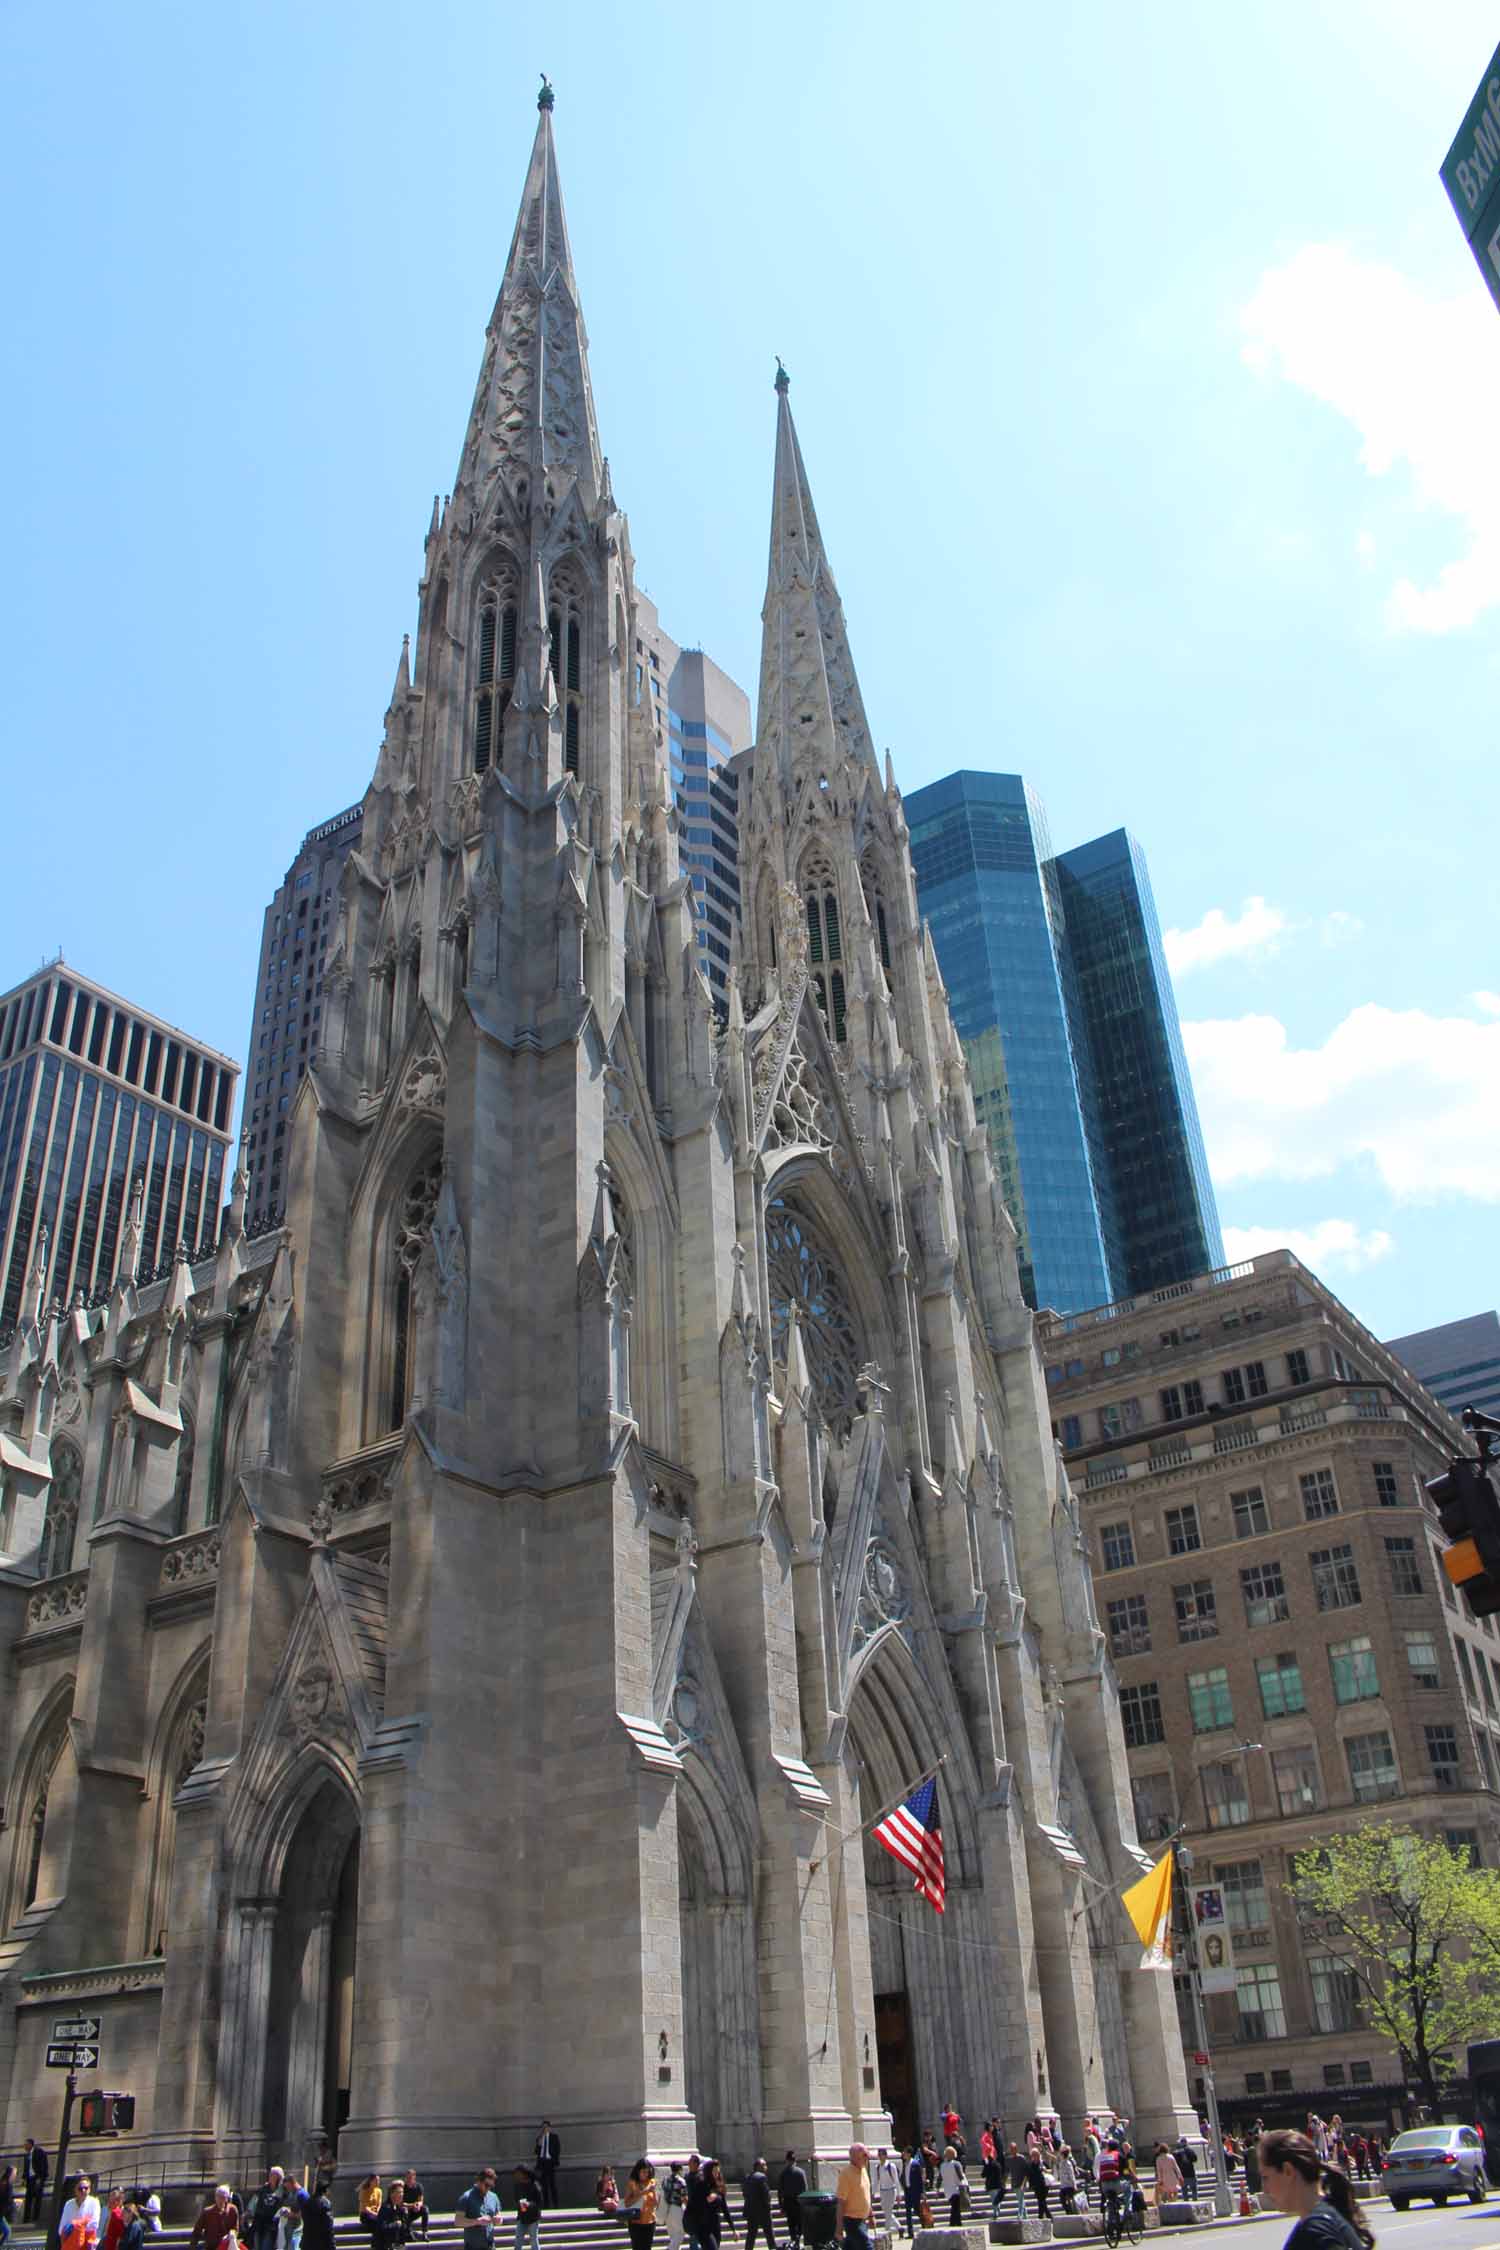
913,1834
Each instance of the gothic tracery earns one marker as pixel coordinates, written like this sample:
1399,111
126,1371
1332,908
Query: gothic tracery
804,1274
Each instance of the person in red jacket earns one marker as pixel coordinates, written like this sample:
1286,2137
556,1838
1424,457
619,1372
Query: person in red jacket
215,2221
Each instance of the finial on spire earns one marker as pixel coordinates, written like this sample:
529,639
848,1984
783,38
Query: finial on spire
546,98
783,380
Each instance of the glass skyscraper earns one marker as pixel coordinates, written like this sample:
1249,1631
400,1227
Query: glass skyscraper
979,847
1160,1219
1060,992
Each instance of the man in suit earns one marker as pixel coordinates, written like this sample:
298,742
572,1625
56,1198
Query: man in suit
37,2169
548,2157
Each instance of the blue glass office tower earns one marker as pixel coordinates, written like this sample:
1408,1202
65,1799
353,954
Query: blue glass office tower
980,851
1161,1222
1060,992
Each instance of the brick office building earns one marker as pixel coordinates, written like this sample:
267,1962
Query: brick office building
1291,1657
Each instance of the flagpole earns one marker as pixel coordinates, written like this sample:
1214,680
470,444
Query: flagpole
906,1790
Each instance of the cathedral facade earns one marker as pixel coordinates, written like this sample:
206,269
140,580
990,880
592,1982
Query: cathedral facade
456,1638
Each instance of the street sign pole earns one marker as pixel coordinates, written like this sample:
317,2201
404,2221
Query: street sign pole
1223,2200
64,2135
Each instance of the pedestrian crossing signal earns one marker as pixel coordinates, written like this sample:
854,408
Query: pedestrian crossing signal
106,2113
1469,1511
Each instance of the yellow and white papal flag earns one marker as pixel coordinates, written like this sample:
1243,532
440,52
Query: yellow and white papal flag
1149,1905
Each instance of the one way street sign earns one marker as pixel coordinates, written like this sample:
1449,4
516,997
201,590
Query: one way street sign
75,2027
72,2057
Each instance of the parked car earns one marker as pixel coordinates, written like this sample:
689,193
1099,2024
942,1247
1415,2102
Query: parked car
1435,2160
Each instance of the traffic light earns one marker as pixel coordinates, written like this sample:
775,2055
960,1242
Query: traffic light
1469,1511
105,2113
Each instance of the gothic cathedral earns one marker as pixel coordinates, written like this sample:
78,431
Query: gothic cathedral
455,1640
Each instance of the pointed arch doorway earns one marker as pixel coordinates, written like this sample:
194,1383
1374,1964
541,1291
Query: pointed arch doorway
310,2014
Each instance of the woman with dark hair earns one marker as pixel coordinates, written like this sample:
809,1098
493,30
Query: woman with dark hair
1315,2194
639,2203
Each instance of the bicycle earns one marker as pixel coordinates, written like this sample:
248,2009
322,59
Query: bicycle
1127,2223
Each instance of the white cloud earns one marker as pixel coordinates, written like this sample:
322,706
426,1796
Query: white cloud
1256,929
1339,928
1417,376
1412,1095
1488,1003
1331,1243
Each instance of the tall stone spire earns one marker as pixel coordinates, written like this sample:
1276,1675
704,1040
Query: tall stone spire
534,407
811,713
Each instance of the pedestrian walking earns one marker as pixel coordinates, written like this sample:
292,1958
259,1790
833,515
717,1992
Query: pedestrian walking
114,2220
993,2170
758,2206
1315,2194
792,2183
1168,2176
7,2202
914,2184
673,2197
289,2218
1067,2180
216,2222
134,2236
641,2198
78,2228
528,2189
317,2219
887,2189
36,2168
548,2156
263,2211
476,2212
852,2196
951,2183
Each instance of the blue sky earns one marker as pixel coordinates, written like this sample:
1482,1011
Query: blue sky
1148,394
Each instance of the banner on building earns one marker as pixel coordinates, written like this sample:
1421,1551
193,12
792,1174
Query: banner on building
1149,1905
1215,1944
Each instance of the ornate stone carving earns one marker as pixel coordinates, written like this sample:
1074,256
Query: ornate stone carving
689,1719
884,1596
425,1084
367,1485
315,1705
797,1114
69,1401
192,1561
64,1600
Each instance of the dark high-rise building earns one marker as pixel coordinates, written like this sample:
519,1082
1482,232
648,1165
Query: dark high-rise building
980,851
1458,1361
288,1010
99,1100
1161,1222
1060,991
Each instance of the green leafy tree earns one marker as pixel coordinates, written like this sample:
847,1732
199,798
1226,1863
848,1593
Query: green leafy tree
1417,1928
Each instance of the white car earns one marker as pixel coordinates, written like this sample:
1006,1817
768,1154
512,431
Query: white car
1435,2160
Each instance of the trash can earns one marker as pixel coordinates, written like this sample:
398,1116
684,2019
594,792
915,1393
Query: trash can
820,2218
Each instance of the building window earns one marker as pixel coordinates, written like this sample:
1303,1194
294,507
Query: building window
1247,1382
1179,1400
1422,1660
1255,2082
1335,1579
1442,1755
1140,1710
1406,1572
1119,1420
1183,1535
1335,1993
1465,1842
1280,1679
60,1524
1249,1508
1209,1700
1360,2074
1197,1611
1319,1494
1354,1675
1069,1432
413,1227
1129,1626
1297,1369
1247,1907
497,673
1333,2074
1387,1491
1257,1991
825,946
1226,1796
1264,1590
1372,1766
1299,1786
565,633
1155,1801
1116,1546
